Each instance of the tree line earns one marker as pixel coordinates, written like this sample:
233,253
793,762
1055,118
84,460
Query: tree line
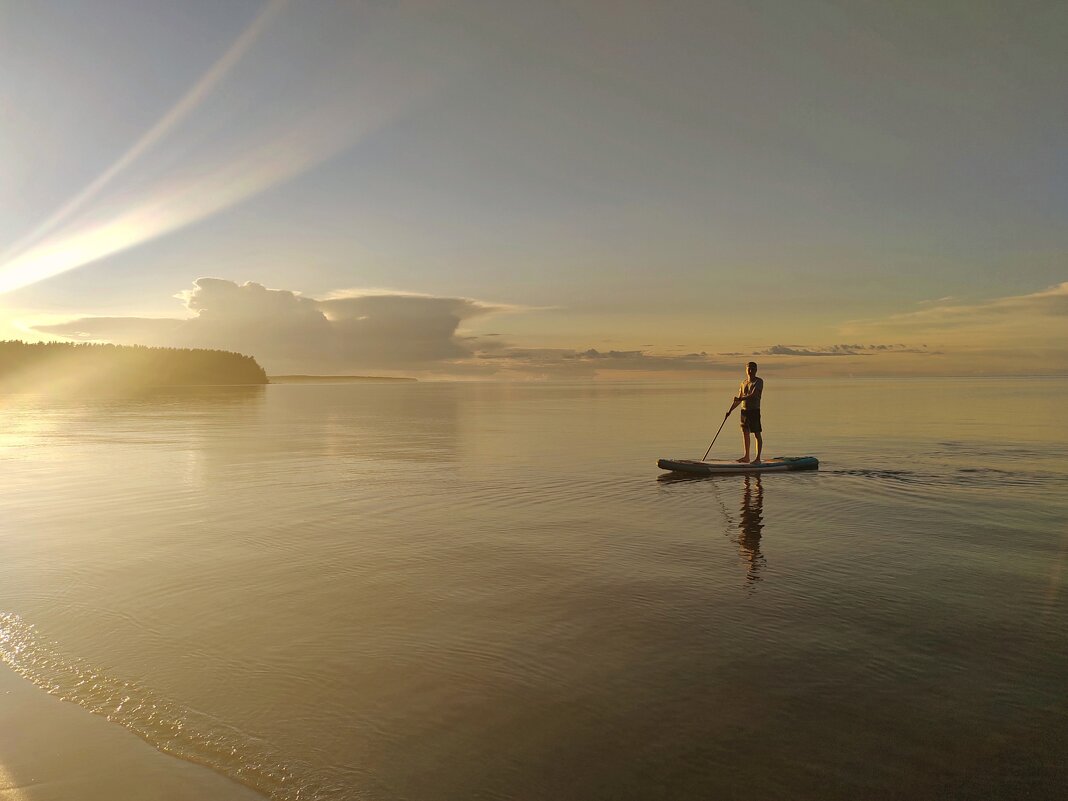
40,365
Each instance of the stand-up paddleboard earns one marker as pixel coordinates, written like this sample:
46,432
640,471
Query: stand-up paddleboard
713,467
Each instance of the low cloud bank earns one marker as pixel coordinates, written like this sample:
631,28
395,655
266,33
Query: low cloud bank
355,332
565,362
838,350
287,332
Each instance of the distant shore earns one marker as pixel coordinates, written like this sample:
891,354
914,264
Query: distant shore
72,367
330,379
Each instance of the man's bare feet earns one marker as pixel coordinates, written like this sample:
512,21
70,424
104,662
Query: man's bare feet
756,461
744,460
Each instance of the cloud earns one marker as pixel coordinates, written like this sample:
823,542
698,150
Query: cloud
287,331
359,330
1051,302
1008,335
838,350
133,330
353,331
565,362
403,328
964,322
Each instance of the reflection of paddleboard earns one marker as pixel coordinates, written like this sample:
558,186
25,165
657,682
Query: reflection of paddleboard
714,467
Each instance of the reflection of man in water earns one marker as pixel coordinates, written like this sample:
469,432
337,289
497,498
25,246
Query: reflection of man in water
750,524
749,396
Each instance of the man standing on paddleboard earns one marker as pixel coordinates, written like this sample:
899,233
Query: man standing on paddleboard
749,396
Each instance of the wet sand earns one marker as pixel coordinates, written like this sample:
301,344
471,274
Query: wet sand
51,750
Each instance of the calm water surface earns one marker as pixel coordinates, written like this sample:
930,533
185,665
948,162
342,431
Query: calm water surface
489,591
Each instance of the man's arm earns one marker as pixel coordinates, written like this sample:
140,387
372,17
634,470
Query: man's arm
739,397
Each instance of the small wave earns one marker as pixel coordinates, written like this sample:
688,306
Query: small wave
183,733
965,477
998,450
903,476
992,476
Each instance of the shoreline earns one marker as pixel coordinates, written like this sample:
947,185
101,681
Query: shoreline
54,750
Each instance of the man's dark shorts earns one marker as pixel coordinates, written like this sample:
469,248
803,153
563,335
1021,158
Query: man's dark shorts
751,420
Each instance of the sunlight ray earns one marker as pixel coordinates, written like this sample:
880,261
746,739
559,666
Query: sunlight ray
175,115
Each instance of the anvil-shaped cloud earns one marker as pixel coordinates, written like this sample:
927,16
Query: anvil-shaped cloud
288,332
359,330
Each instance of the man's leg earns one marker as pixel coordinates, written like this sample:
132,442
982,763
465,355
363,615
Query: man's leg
745,439
760,445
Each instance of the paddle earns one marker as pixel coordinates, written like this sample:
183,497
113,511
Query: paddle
728,414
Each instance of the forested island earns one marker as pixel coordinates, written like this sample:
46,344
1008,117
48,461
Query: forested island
59,366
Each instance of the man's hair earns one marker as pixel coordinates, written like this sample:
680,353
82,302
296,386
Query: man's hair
753,365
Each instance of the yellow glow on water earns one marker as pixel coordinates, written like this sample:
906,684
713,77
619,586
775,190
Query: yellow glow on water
9,788
22,427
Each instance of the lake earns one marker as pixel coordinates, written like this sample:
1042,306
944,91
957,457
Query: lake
441,591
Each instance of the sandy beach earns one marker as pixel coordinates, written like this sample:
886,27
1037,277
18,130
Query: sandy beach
52,750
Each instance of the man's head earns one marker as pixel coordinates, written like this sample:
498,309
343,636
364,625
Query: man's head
751,369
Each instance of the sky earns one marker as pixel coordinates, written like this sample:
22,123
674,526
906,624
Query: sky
530,190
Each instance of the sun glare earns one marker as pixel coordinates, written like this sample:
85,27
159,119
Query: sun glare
237,166
157,132
9,788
